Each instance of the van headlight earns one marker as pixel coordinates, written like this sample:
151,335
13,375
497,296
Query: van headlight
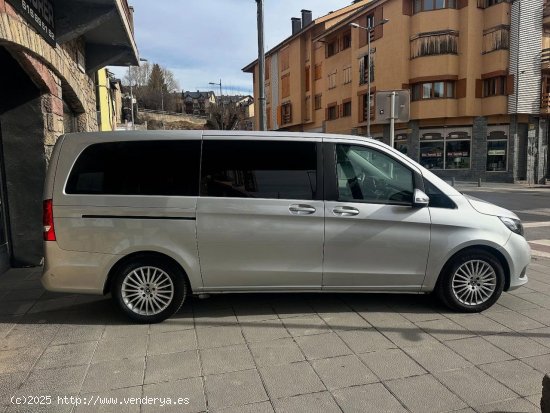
513,224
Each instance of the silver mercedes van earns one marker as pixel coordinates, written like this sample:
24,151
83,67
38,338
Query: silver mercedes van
152,217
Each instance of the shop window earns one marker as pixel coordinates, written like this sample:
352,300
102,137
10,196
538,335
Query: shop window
434,90
401,144
497,38
431,44
429,5
445,152
497,152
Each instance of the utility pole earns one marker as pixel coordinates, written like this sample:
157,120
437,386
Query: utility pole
221,100
392,118
261,67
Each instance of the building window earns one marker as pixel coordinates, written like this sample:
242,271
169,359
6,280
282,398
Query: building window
346,109
332,80
347,75
346,41
332,112
318,71
401,144
267,68
433,90
428,5
286,113
364,69
365,112
285,59
483,4
494,86
497,38
318,102
285,85
497,152
450,152
308,78
307,116
332,48
431,44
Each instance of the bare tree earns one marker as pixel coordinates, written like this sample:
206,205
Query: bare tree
226,117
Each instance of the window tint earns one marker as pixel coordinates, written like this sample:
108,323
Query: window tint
252,169
437,198
137,168
367,175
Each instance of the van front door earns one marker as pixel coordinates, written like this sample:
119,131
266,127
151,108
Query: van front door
374,238
260,216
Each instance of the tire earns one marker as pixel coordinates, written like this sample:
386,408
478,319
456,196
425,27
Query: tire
471,282
149,289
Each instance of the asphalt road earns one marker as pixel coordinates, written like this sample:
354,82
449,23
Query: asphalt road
531,205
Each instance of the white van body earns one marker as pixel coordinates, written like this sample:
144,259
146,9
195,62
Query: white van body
363,227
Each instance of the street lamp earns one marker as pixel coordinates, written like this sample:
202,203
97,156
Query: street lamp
221,99
369,30
132,91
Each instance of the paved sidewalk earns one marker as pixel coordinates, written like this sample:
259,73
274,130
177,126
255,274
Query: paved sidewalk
284,353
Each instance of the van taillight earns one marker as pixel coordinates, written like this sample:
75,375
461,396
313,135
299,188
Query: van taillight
49,231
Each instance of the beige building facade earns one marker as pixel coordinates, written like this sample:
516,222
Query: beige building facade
478,73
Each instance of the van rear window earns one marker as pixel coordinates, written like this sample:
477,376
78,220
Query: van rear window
169,168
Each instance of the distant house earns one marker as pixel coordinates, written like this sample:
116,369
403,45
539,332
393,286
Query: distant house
197,103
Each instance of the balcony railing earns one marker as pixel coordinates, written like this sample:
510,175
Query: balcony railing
545,104
545,60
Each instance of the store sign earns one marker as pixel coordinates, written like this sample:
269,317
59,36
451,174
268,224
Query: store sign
40,14
496,152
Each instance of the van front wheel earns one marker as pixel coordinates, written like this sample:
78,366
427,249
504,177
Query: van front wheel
149,290
472,282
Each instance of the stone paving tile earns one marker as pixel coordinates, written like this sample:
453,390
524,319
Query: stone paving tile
252,313
234,389
391,364
226,359
541,335
474,386
478,350
114,374
515,321
12,361
424,394
120,348
535,400
366,340
518,376
437,357
264,330
190,389
538,298
290,380
540,363
518,345
263,407
130,330
172,342
479,324
61,381
219,337
73,333
542,315
66,355
369,398
172,366
509,406
9,383
345,321
445,329
322,346
180,321
343,371
515,302
28,335
308,403
118,394
305,325
405,334
275,352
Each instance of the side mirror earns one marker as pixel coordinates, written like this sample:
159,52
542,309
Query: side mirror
420,199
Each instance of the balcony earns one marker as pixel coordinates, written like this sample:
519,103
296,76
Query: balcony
545,104
545,60
106,26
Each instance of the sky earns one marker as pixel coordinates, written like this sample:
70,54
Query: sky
208,40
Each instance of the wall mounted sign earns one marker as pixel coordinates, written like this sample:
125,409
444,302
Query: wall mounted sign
40,14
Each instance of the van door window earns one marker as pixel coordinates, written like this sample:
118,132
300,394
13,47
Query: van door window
256,169
169,168
367,175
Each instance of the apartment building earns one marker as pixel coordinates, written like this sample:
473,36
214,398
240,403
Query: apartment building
475,70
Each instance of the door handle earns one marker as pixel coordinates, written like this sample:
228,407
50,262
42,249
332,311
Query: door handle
345,211
301,209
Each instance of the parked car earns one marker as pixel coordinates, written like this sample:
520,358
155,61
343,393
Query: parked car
153,217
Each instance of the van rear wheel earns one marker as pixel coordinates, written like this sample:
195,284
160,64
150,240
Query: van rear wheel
472,282
149,290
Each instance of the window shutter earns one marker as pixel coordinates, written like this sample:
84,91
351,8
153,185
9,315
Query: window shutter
479,88
460,4
363,33
279,115
461,88
362,71
407,7
341,111
326,113
510,84
378,17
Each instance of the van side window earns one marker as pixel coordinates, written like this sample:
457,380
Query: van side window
367,175
256,169
169,168
437,198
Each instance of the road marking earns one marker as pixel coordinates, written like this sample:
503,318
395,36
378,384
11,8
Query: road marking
536,224
540,248
539,211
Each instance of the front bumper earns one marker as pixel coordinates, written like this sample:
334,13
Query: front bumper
519,258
